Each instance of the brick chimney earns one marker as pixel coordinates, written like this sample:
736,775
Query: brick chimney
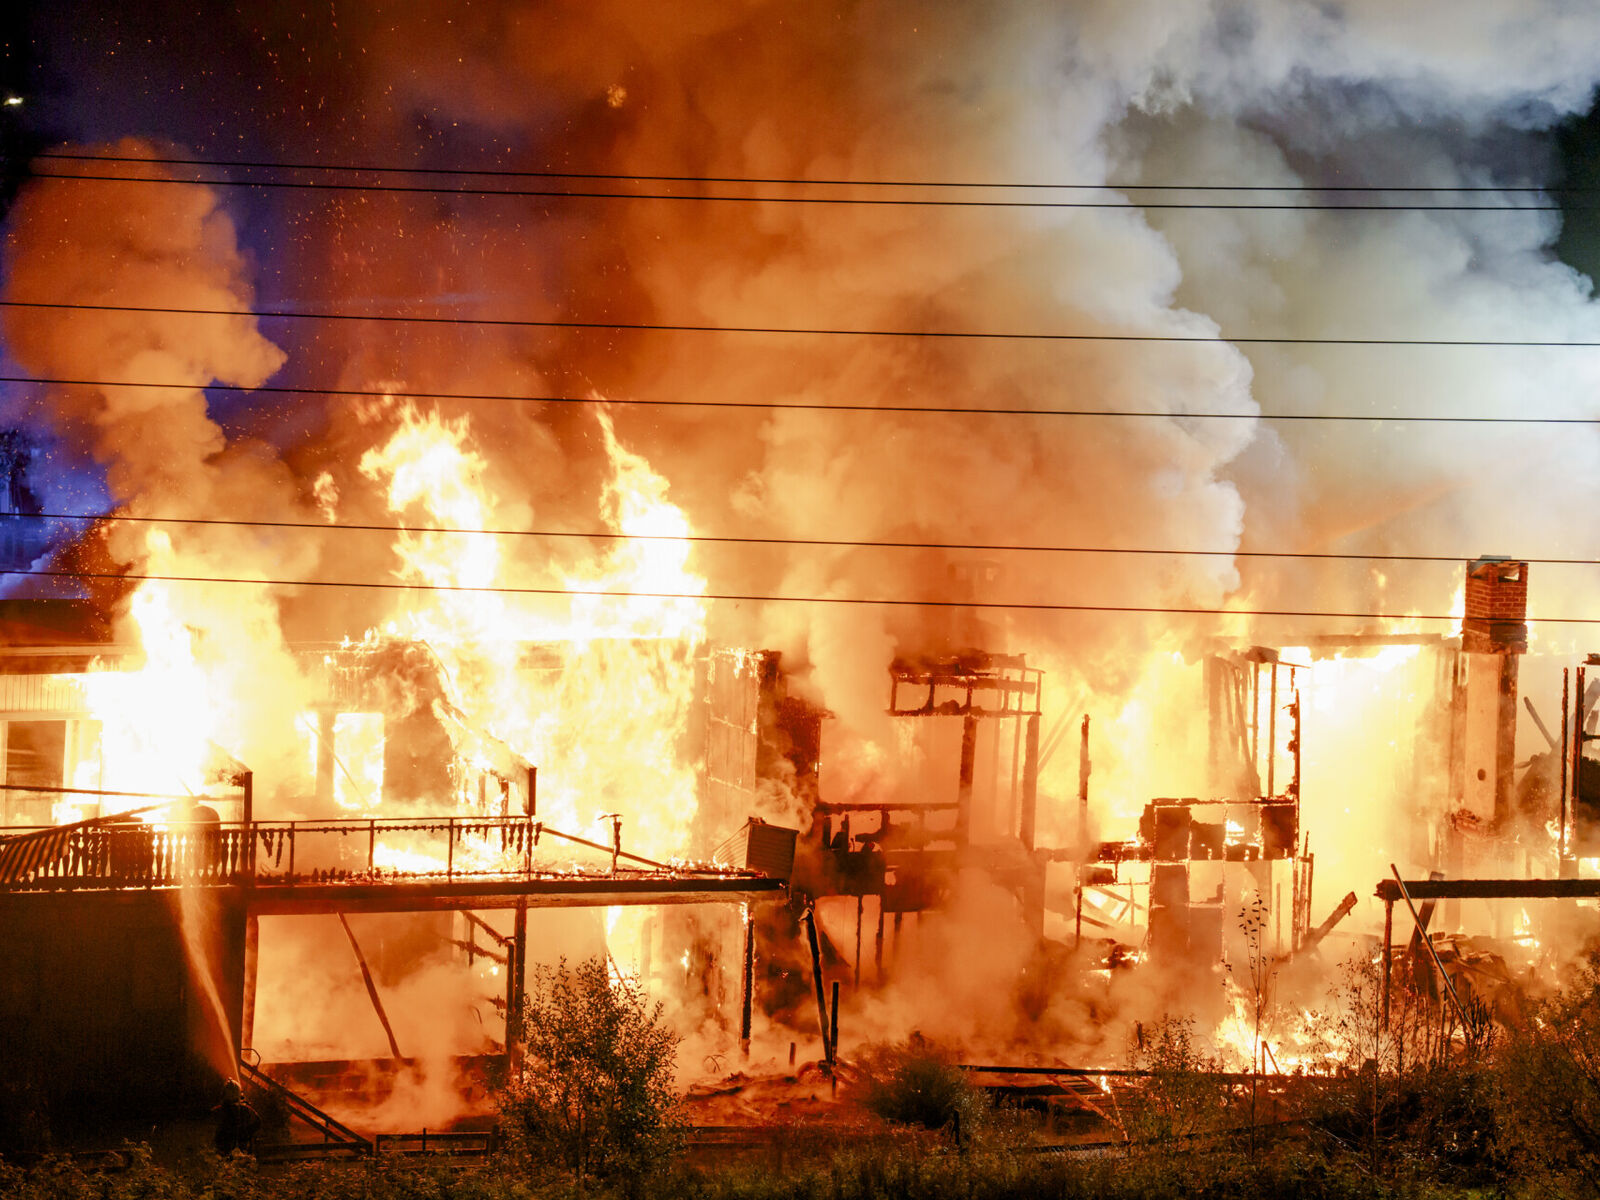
1496,619
1494,632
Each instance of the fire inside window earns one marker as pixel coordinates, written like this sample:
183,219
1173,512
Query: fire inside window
36,753
47,753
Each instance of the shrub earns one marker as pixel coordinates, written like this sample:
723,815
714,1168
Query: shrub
1183,1094
918,1083
595,1088
1549,1086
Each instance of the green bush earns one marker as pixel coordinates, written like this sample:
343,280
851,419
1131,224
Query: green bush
595,1088
1549,1087
917,1083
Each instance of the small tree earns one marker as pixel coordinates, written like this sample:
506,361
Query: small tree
595,1088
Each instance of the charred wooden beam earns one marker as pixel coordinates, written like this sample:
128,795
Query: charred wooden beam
1390,890
372,988
1321,931
816,979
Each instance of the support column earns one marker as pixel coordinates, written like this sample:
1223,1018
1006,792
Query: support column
516,986
325,758
747,978
816,979
1388,958
1030,783
877,945
1505,746
969,750
861,903
247,863
252,951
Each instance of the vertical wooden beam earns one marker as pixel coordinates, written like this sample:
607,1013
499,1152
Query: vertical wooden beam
1505,745
247,782
1566,717
1272,732
969,750
372,988
816,979
1030,783
516,985
747,982
833,1027
325,758
861,903
252,950
877,945
1388,957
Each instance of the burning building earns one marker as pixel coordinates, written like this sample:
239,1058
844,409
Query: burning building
858,343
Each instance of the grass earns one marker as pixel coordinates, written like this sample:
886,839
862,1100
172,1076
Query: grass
883,1165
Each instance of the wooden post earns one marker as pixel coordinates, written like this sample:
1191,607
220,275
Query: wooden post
747,980
1576,749
252,951
1427,941
247,782
1388,957
816,979
833,1027
325,760
1083,786
1077,931
372,988
1561,840
1030,783
516,985
1272,732
877,945
969,750
861,902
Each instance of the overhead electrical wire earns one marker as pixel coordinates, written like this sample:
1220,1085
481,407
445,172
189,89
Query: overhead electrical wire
774,181
840,543
843,201
783,405
790,331
857,601
503,172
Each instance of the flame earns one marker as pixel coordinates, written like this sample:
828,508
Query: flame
157,722
603,713
1300,1042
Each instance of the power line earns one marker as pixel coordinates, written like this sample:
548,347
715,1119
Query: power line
790,331
514,398
793,181
857,601
612,535
858,201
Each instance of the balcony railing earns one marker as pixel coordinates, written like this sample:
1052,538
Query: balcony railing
123,853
